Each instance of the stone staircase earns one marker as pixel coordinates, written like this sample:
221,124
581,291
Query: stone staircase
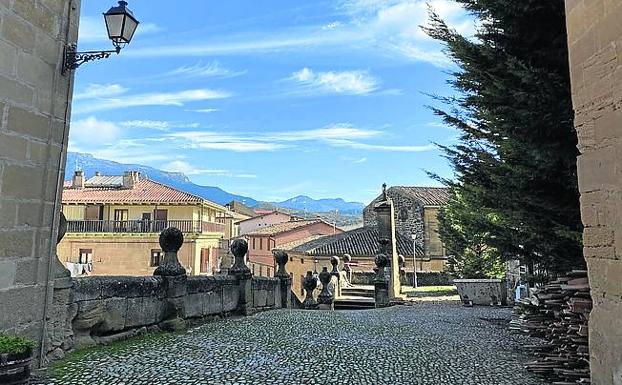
355,298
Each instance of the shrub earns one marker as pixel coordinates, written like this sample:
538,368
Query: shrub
15,344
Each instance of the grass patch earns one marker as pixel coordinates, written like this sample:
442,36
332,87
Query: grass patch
430,291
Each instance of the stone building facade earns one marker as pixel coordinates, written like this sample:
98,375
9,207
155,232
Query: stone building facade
35,100
416,209
595,53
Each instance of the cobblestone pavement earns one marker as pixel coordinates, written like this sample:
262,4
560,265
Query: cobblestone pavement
428,343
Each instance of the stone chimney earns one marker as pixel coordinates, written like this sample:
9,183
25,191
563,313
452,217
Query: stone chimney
78,180
130,178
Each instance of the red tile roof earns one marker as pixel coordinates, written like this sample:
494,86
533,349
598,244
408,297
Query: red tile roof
144,191
284,227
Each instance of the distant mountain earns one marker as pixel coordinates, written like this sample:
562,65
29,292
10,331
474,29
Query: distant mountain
305,203
89,164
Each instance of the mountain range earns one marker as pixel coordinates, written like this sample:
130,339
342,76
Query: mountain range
89,164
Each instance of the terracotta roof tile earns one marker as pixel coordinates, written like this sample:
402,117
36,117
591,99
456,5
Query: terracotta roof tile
428,196
358,242
144,191
284,227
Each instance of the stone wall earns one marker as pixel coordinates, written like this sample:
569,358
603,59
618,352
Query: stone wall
98,310
34,104
595,50
409,212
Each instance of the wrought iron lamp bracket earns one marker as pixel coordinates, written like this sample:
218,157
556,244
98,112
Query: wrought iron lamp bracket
74,59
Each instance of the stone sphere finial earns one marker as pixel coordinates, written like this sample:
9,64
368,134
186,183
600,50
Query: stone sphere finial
334,260
171,239
347,258
401,260
310,282
280,257
325,276
62,227
381,261
239,248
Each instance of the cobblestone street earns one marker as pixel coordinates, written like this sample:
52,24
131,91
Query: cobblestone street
428,343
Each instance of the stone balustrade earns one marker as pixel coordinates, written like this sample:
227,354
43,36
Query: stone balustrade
96,310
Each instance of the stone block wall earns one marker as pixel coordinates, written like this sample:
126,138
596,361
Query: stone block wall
595,51
409,214
99,310
34,102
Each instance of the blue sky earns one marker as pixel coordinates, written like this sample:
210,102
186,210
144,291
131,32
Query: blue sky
270,99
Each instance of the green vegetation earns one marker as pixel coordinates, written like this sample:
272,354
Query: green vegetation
515,193
430,291
15,344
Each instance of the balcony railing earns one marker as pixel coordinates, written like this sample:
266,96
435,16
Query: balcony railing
143,226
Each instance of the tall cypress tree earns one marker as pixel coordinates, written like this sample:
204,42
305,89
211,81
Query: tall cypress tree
516,158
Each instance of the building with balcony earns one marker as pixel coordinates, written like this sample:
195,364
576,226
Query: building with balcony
113,225
263,240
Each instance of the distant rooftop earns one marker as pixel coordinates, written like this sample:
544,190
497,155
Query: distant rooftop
284,227
358,242
428,196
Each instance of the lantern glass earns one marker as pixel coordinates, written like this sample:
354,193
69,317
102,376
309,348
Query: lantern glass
121,24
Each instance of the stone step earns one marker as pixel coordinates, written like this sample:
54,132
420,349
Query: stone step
354,303
357,292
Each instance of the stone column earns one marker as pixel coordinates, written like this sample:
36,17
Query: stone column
174,279
244,277
285,280
309,284
326,298
336,276
385,217
381,282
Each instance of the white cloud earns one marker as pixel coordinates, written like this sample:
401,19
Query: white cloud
160,125
390,28
212,69
93,30
345,82
85,132
149,99
188,169
338,135
94,90
205,110
361,160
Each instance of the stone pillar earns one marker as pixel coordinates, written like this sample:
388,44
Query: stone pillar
244,277
381,282
326,298
58,328
386,229
309,284
285,280
336,276
347,258
401,262
174,279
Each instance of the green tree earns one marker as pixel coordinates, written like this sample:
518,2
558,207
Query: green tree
461,232
516,158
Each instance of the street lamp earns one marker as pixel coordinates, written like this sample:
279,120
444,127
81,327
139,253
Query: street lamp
121,26
414,236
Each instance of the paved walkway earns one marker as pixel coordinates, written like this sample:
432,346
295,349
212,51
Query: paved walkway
422,344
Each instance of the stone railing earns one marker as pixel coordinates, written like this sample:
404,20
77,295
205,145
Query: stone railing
143,226
96,310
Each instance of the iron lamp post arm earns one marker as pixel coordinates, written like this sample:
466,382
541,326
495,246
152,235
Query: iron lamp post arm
74,59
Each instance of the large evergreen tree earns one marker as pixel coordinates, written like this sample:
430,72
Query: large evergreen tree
516,159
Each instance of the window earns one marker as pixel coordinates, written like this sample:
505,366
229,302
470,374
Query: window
253,243
269,272
86,256
260,243
156,258
205,260
261,270
302,261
